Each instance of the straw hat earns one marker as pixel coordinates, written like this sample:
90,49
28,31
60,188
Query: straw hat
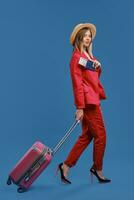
78,27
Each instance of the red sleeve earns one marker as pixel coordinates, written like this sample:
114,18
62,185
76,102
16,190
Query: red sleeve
77,82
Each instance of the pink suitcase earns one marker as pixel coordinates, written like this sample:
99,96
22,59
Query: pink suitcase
35,160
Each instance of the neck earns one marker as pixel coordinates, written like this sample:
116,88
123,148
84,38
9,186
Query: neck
84,50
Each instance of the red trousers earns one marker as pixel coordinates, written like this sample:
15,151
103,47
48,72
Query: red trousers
92,128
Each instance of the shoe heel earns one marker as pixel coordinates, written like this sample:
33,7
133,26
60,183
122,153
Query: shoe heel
56,171
91,175
101,180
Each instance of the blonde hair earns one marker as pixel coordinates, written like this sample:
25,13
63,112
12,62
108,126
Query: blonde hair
79,38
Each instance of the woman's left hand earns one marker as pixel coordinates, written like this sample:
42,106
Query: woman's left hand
96,64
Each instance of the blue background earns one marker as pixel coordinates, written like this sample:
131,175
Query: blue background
36,99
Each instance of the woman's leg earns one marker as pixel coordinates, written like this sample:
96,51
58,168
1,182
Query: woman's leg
97,127
80,145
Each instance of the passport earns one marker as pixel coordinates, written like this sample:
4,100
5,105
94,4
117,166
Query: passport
87,64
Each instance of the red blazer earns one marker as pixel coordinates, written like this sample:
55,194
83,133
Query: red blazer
87,87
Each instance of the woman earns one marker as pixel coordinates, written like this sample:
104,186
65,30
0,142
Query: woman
88,91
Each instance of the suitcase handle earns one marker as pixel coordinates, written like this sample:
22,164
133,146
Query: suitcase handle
61,142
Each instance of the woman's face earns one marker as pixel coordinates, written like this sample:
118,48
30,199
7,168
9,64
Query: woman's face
87,39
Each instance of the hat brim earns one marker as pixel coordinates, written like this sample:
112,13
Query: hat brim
81,26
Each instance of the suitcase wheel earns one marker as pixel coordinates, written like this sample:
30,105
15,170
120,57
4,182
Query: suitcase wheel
21,190
9,182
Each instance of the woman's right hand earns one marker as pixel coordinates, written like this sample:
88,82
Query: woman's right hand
79,114
96,64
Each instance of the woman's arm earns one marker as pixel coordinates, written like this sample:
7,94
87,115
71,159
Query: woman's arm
77,82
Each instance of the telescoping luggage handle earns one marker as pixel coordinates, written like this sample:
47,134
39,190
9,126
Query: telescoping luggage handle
57,147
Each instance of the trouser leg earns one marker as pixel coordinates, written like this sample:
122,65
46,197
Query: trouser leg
97,127
80,145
